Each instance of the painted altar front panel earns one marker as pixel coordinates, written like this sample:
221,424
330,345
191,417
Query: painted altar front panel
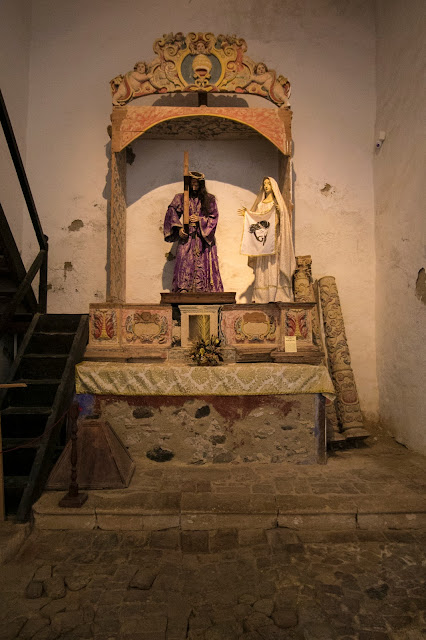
129,331
250,325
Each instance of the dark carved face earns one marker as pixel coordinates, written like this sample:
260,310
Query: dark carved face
195,184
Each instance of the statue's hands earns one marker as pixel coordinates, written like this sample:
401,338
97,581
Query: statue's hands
242,211
182,234
194,218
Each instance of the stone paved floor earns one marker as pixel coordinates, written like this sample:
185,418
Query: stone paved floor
370,485
109,585
380,466
230,583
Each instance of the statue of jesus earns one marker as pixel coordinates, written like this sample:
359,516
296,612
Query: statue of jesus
197,265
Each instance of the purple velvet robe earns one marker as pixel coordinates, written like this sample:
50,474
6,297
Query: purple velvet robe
196,266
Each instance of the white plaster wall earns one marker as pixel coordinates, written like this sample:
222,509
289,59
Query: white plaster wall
400,218
15,38
326,48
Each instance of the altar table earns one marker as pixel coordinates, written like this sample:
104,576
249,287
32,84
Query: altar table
236,379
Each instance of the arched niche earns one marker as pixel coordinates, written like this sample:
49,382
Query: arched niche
184,123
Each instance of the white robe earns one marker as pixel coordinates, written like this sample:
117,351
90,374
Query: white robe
273,274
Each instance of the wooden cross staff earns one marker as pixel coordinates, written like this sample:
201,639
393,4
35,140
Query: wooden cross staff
10,385
186,181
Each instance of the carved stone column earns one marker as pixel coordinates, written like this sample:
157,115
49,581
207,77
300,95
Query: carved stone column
304,292
348,409
117,241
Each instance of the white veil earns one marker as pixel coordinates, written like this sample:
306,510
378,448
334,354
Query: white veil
287,260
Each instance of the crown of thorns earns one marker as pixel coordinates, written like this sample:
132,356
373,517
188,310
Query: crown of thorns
197,175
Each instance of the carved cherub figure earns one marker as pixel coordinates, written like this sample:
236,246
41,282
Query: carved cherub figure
131,83
277,88
200,47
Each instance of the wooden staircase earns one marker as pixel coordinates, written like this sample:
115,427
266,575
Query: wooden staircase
33,418
17,298
12,274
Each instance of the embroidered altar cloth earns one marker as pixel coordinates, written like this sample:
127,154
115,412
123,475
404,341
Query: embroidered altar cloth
245,379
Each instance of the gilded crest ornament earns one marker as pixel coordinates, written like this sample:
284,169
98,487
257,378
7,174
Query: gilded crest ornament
200,62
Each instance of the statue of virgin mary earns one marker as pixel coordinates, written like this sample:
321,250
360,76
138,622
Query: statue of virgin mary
274,267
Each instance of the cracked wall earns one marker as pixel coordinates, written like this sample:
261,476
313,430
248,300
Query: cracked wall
400,220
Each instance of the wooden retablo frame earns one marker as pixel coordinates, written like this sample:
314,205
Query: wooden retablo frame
200,63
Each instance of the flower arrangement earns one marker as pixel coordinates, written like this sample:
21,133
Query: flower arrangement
206,352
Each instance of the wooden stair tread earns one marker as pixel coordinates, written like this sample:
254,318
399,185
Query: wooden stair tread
26,411
54,333
46,355
7,292
15,482
29,381
11,443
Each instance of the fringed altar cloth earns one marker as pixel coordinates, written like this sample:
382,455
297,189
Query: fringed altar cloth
263,379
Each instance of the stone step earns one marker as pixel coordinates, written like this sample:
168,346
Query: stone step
185,511
12,536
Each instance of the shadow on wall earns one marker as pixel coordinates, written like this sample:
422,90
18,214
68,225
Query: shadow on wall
169,266
158,163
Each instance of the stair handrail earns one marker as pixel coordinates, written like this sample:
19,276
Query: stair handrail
20,172
40,262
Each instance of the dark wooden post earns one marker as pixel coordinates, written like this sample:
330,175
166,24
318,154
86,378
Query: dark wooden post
320,435
117,238
42,289
73,498
186,179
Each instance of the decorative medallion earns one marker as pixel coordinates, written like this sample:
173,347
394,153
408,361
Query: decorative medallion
145,327
255,326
